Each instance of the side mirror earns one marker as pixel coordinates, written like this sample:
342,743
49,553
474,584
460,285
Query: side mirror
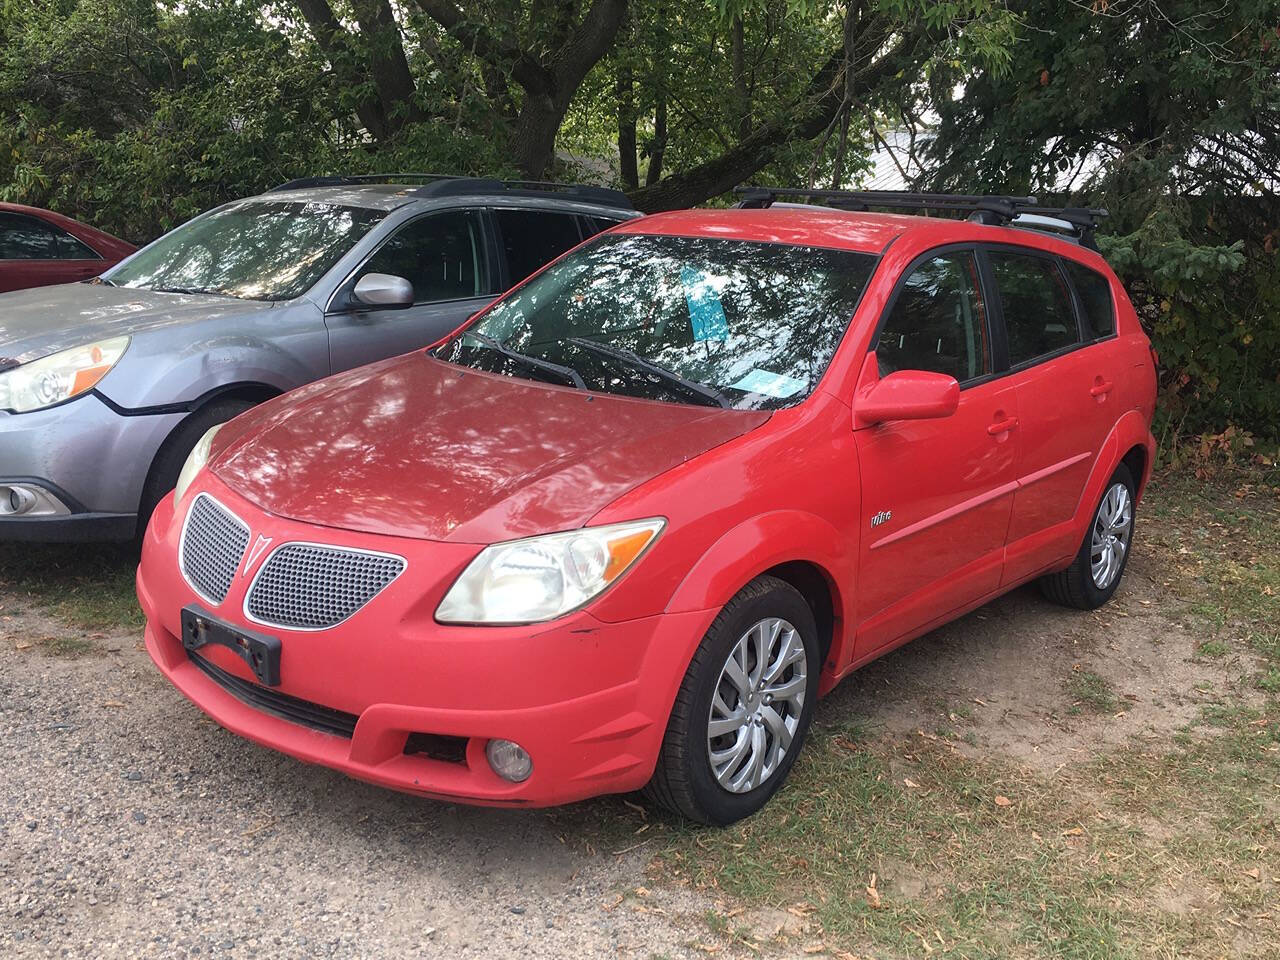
907,395
384,291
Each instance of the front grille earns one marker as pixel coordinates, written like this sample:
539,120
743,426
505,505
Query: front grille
305,586
212,544
293,709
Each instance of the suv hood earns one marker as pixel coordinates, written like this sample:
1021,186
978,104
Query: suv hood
415,447
35,323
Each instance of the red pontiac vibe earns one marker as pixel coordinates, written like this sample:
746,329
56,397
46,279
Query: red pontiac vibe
40,247
625,528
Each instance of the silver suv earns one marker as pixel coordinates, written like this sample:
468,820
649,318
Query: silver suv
107,385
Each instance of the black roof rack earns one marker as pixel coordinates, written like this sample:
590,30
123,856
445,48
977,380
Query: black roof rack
982,208
447,185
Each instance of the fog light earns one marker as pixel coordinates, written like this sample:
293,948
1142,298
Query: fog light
16,500
29,500
509,760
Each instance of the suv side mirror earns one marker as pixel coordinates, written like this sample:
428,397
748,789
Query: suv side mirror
383,290
907,395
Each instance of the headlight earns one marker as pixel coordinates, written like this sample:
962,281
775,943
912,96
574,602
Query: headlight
527,581
198,457
60,376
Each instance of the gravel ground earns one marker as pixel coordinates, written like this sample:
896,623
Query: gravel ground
133,826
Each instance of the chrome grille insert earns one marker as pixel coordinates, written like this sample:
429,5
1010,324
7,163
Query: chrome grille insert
309,586
213,541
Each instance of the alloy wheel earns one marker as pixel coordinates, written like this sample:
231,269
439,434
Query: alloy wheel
1112,528
756,706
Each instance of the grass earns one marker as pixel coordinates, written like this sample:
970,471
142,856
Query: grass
88,587
1092,690
1165,848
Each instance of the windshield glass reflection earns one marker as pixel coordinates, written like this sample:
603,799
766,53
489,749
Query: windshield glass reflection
691,320
272,250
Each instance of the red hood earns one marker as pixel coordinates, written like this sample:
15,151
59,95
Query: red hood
419,448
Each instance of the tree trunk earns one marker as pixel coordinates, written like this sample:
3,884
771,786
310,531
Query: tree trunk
658,149
625,93
742,93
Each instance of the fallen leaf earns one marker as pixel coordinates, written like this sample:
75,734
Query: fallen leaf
1003,802
1253,873
1073,832
910,783
114,703
873,895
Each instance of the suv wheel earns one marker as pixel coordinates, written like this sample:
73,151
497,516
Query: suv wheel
743,709
1095,573
173,453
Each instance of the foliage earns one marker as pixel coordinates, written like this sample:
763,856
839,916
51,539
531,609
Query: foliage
1169,116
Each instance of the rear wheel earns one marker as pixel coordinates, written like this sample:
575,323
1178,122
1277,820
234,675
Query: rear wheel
1095,573
743,709
177,447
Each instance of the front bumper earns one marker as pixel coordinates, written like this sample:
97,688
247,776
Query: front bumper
94,459
588,700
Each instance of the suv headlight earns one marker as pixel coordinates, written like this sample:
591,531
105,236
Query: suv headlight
541,578
59,376
196,460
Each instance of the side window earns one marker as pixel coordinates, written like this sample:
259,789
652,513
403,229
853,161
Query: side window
1038,316
25,238
594,225
441,255
531,238
938,321
1095,297
69,248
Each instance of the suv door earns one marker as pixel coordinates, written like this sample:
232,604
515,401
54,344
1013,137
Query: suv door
1066,409
444,256
529,239
936,494
34,253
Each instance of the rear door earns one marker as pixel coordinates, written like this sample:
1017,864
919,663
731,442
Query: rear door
1065,377
936,494
445,256
34,253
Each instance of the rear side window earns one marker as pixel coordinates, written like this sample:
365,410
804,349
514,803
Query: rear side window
594,225
1038,316
69,248
25,238
1095,297
532,238
938,322
441,255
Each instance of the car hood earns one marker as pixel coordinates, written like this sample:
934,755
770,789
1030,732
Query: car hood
35,323
419,448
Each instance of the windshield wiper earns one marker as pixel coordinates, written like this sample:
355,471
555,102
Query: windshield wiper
637,362
533,363
186,290
99,281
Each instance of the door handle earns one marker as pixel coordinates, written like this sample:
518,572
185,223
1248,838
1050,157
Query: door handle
1101,388
1002,426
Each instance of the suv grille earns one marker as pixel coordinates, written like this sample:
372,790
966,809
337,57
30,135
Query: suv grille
212,544
310,587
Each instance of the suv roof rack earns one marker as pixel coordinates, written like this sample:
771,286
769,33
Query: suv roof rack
1080,223
449,185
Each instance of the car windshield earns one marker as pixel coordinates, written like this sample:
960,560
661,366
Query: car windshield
730,323
257,250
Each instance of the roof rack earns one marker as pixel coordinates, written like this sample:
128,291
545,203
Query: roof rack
1081,223
447,185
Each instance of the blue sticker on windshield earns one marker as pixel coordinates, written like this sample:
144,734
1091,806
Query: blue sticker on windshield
770,384
706,313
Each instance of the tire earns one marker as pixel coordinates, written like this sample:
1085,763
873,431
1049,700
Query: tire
685,779
1078,586
173,453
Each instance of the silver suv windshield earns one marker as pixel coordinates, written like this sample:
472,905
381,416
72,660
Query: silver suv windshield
255,250
729,323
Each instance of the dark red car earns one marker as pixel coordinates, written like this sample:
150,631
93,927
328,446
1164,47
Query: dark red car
627,526
39,248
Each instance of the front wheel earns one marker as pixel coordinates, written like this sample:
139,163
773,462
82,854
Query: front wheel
1095,572
743,709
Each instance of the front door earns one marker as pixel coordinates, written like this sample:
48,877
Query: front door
444,256
936,494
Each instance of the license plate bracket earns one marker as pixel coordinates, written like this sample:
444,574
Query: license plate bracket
261,652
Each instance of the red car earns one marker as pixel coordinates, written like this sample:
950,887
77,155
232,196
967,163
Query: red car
623,529
39,247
